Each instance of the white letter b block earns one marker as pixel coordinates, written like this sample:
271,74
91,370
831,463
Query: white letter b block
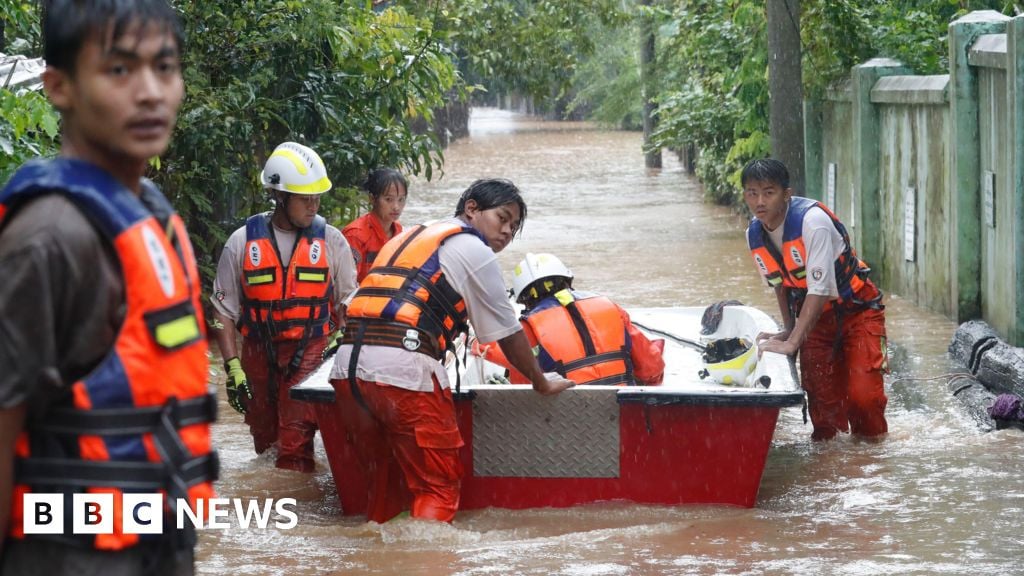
44,514
92,514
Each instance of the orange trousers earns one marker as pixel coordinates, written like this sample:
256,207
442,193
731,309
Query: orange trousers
290,424
844,384
408,444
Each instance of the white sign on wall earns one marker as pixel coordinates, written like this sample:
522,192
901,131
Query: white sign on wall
830,186
988,197
909,224
853,209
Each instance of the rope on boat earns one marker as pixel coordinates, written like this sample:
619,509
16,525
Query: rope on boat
671,336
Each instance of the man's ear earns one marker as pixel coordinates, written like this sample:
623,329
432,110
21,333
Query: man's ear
57,84
471,208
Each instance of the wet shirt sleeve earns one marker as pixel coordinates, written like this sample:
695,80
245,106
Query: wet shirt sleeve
343,267
472,269
61,302
227,284
824,245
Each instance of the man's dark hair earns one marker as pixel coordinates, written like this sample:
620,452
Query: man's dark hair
379,180
68,23
765,170
492,193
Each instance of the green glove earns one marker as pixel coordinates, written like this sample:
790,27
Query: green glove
237,386
333,343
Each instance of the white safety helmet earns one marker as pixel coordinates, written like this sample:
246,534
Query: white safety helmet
730,361
536,267
295,169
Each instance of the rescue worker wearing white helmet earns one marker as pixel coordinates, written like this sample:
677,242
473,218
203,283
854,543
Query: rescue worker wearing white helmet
581,335
281,282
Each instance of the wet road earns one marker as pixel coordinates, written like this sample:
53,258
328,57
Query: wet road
937,497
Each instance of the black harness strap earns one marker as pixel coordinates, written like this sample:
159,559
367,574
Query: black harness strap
581,329
108,421
595,359
116,474
353,362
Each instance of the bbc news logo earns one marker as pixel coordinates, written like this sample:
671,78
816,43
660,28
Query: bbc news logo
143,513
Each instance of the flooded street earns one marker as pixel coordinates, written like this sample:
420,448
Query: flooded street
937,497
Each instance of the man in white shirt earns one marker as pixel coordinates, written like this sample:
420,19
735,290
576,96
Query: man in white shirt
393,392
832,312
282,280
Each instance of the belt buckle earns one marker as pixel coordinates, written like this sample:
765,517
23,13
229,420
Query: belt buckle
411,342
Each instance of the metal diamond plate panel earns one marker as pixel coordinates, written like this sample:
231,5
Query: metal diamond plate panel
517,432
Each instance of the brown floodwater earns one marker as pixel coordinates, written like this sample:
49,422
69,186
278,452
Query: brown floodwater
937,497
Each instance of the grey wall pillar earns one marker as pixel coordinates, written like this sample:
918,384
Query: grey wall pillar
865,159
965,159
814,169
1015,101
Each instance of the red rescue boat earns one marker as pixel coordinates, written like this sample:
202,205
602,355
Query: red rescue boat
689,441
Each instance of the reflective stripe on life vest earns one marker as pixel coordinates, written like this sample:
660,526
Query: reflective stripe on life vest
139,421
581,337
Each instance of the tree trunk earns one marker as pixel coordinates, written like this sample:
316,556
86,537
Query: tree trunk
785,87
648,81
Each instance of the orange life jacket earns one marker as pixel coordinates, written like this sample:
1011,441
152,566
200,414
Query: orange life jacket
405,301
140,420
281,303
788,268
366,236
581,336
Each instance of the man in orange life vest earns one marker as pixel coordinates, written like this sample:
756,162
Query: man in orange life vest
103,370
393,395
281,279
832,312
582,336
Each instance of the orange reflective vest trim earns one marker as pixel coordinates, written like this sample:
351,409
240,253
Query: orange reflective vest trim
141,418
366,237
581,336
406,286
281,303
787,268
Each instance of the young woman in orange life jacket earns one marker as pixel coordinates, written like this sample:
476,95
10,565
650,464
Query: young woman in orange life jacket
840,336
366,235
582,336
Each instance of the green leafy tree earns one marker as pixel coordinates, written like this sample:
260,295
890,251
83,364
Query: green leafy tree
339,77
28,129
714,58
528,47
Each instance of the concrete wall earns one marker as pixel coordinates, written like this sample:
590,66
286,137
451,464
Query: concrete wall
837,158
915,249
928,173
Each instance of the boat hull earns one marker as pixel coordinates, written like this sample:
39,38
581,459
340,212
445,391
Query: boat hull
696,442
667,451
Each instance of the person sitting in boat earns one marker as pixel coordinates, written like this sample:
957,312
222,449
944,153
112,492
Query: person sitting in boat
581,335
393,395
832,312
